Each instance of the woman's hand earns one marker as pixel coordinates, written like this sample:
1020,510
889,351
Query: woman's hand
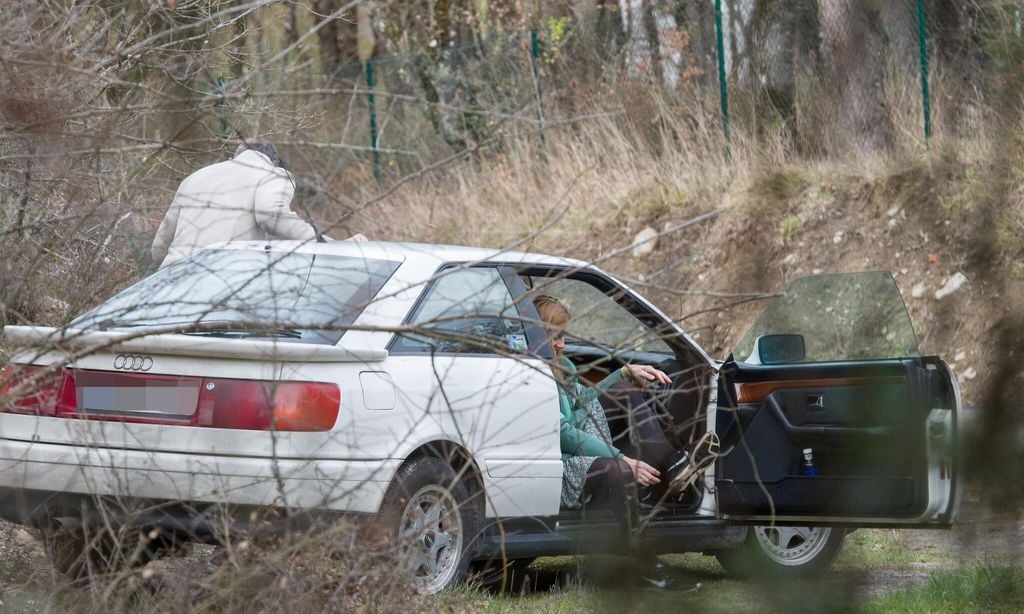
639,373
644,473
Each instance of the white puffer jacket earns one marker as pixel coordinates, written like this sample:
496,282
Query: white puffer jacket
245,198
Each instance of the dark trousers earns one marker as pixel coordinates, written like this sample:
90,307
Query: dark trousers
635,427
610,485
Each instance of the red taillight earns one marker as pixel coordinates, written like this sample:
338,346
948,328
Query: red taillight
223,403
51,394
306,406
281,406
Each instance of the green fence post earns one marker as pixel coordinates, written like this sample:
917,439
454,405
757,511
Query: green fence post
723,92
371,102
922,38
534,54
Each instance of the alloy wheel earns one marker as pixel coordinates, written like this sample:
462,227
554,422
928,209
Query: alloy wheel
792,546
431,533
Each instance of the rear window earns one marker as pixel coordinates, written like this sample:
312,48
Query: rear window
296,297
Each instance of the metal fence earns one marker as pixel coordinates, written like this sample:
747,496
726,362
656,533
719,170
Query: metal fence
823,76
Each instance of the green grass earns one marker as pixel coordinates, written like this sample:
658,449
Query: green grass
789,225
700,587
981,588
604,584
601,584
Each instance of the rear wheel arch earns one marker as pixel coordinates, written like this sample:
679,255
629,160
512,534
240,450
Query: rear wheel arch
458,457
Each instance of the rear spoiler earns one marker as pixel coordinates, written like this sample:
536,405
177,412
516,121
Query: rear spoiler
80,343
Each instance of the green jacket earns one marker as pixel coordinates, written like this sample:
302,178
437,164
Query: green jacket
573,399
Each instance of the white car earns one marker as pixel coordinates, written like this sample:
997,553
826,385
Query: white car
413,382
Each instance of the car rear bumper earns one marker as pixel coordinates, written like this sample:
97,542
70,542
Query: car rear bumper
194,520
125,474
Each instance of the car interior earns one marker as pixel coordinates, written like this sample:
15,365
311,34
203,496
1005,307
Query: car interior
608,330
828,392
867,426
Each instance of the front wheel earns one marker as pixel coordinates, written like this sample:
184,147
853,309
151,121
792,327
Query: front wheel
435,518
793,552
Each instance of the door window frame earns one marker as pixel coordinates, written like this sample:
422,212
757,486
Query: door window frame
536,339
667,330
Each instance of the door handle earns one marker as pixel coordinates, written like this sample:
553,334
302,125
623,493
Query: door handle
821,429
815,402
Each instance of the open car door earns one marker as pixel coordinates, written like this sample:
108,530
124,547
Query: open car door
828,414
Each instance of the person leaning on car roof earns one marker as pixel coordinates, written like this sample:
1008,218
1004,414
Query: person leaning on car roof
244,198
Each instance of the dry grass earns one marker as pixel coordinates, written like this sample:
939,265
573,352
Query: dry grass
584,190
346,568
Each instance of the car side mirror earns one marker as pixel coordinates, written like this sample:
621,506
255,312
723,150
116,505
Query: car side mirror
780,349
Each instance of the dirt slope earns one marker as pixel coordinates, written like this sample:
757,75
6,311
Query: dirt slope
917,220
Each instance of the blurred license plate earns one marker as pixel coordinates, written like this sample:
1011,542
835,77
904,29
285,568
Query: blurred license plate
151,396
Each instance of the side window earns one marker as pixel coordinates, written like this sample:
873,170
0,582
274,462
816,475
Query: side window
465,311
839,316
597,319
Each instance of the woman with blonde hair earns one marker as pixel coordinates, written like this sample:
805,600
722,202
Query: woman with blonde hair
595,471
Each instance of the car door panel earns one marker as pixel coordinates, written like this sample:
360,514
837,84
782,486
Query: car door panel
870,426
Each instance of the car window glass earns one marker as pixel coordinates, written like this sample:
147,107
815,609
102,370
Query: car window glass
310,297
597,319
466,310
841,316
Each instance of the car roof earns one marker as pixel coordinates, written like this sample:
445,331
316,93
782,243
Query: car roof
390,250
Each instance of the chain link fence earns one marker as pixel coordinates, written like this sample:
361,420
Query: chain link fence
114,132
824,77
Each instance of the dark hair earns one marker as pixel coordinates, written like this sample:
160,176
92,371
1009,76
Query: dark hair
264,147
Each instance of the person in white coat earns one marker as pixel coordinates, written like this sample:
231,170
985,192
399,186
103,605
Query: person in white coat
244,198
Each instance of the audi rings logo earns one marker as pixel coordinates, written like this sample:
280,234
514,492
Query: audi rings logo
133,362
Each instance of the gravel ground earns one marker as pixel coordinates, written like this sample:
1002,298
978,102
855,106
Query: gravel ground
984,533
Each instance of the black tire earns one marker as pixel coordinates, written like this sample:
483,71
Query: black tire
71,552
421,487
80,552
783,552
500,576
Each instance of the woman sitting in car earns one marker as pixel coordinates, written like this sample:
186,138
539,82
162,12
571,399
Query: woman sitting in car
594,469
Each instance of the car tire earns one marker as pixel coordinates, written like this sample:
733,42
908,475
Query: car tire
80,552
435,518
71,552
783,552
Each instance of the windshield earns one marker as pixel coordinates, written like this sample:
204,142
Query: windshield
841,316
301,297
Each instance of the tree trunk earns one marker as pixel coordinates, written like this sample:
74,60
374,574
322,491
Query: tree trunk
900,19
642,57
649,19
958,58
327,36
367,43
609,30
854,35
697,19
787,37
291,29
